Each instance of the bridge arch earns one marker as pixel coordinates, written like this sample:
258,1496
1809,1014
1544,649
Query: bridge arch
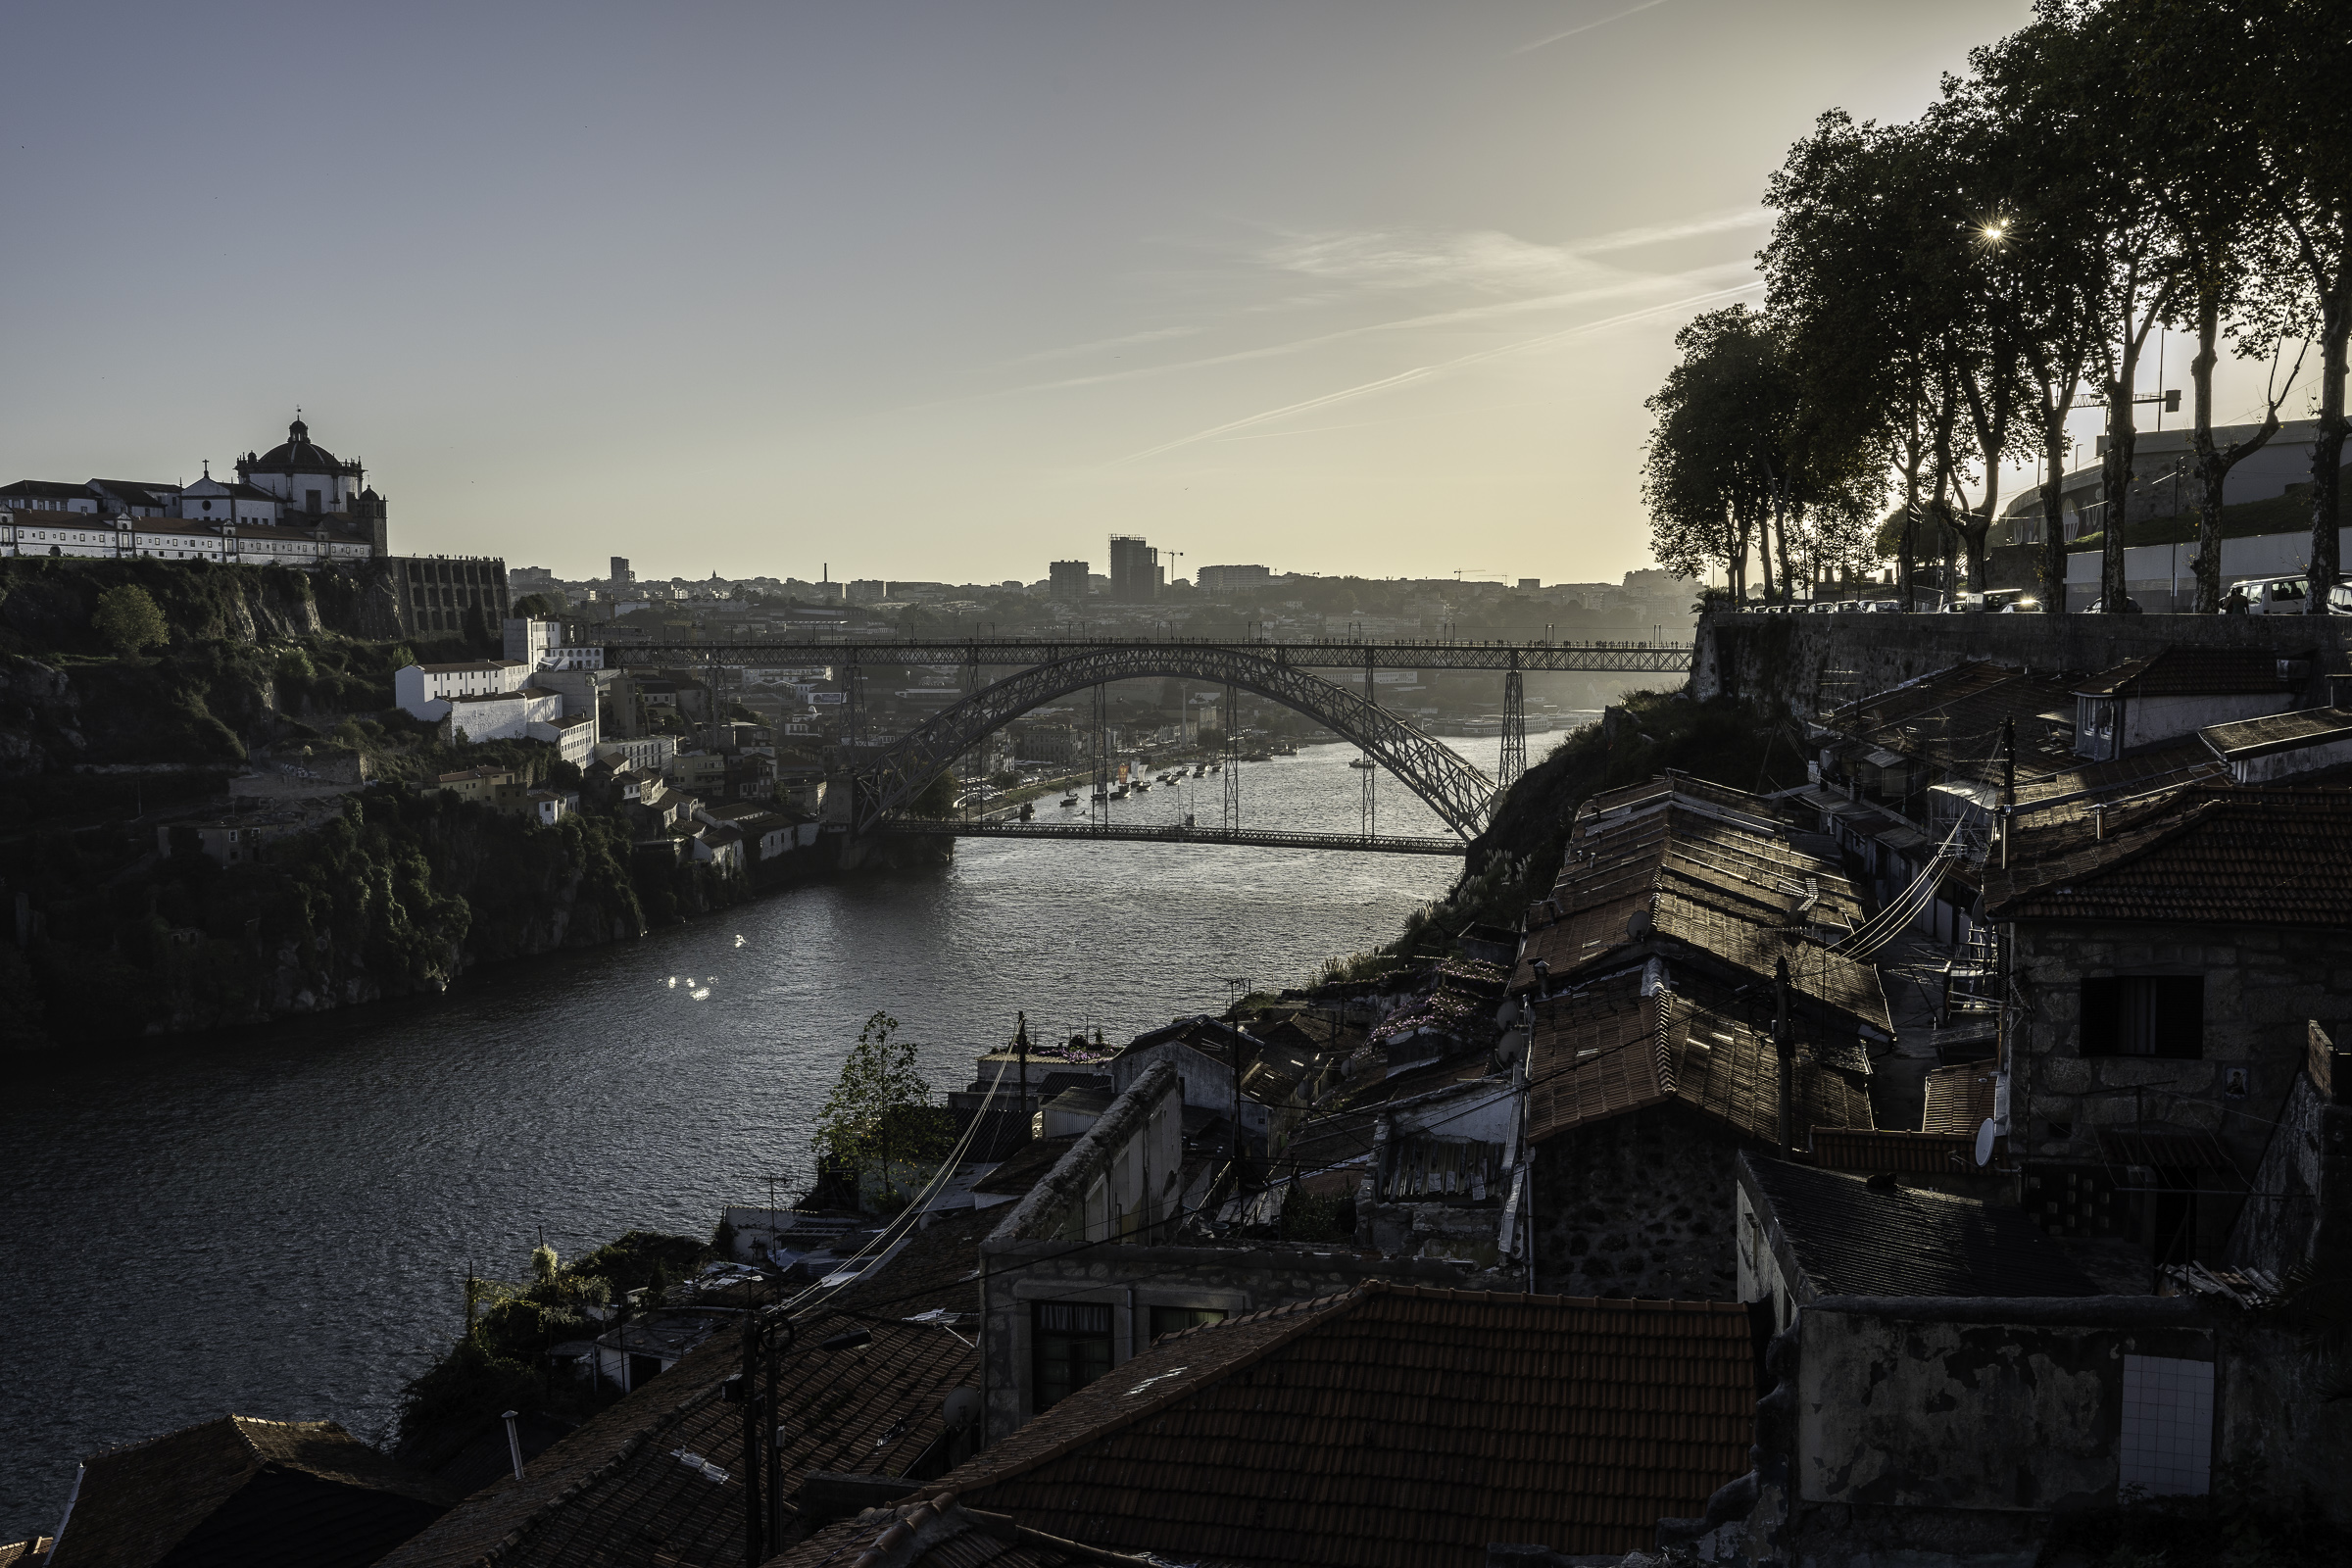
1453,787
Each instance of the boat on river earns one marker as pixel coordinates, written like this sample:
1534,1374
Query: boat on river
1362,762
1068,800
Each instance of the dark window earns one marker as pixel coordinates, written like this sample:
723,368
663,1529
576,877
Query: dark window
1069,1348
1176,1319
312,499
2144,1015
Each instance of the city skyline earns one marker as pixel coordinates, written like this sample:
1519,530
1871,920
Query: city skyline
922,291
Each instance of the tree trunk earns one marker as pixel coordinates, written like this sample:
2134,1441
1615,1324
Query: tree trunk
2211,468
2053,500
2328,443
2115,486
1902,565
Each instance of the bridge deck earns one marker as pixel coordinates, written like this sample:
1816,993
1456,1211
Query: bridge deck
1628,657
1080,833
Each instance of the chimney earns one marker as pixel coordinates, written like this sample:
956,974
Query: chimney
514,1443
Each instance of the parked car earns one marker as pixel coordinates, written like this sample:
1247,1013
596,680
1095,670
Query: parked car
2339,599
2270,596
2098,607
1879,606
1829,606
1992,602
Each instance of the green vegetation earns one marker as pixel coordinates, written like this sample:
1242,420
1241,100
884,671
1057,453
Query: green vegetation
1515,861
392,896
127,618
500,1362
878,1127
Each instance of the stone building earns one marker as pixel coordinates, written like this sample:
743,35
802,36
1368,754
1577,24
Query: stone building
2167,958
1644,1090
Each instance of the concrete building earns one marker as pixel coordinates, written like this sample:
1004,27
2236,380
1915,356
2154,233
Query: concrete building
1232,580
1067,581
425,691
1135,569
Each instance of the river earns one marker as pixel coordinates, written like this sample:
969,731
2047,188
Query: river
276,1224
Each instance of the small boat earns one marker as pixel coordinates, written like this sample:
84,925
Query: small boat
1362,762
1202,771
1120,794
1068,800
1216,767
1142,784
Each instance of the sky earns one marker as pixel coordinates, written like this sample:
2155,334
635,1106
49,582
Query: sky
915,291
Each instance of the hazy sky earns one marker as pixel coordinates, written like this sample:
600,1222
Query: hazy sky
926,291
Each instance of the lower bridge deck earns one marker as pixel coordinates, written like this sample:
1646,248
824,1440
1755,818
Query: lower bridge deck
1080,833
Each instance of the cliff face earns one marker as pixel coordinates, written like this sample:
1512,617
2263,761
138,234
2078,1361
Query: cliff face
398,894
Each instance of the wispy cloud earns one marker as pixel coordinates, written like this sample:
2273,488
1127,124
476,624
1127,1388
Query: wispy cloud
1587,26
1132,340
1441,368
1486,260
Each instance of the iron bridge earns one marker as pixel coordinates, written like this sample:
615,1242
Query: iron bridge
1602,658
1081,833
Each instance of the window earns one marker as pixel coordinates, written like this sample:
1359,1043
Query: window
2167,1443
1069,1348
1176,1319
2144,1015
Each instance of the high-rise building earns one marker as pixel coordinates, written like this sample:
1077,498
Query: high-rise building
621,571
1134,569
1068,581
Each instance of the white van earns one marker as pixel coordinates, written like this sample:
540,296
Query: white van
2272,596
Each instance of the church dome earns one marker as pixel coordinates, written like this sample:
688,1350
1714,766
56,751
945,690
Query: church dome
297,455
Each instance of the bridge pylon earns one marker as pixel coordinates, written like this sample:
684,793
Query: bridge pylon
1513,761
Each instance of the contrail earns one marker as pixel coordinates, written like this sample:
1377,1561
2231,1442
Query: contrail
1588,26
1425,372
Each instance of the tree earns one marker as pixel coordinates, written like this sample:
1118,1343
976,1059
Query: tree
2303,116
127,618
937,803
1709,476
879,1115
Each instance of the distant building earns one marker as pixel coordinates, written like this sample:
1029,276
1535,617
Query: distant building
621,571
1232,580
1068,581
1134,574
1528,585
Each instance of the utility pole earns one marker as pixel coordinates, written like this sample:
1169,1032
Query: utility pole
1020,1043
1785,1050
2008,783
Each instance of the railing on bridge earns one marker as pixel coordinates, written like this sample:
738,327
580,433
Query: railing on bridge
1378,844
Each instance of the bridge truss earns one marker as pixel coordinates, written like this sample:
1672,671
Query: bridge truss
896,777
1083,832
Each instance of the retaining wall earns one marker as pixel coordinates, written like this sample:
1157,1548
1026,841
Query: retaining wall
1805,663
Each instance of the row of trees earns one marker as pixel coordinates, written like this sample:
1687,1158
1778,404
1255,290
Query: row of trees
1941,294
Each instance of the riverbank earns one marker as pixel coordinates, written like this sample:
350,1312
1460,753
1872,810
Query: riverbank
309,1194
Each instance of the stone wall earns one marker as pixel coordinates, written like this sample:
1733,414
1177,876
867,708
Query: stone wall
2306,1176
2263,984
1805,663
1639,1206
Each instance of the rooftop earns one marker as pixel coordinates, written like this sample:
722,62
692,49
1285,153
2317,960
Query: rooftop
1849,1236
1392,1426
1680,869
2185,672
2277,732
238,1492
1607,1050
2252,857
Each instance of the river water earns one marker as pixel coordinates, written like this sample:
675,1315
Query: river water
277,1224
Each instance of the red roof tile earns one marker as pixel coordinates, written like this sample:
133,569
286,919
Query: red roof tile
2249,856
1393,1427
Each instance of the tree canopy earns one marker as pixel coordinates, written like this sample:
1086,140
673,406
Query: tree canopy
129,618
1941,294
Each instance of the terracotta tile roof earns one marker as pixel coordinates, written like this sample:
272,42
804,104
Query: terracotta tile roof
938,1531
1847,1238
1393,1426
240,1491
2183,671
1959,1098
2252,857
1608,1051
20,1551
616,1495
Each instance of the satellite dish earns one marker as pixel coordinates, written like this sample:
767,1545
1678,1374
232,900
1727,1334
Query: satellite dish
1985,1134
1638,924
962,1408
